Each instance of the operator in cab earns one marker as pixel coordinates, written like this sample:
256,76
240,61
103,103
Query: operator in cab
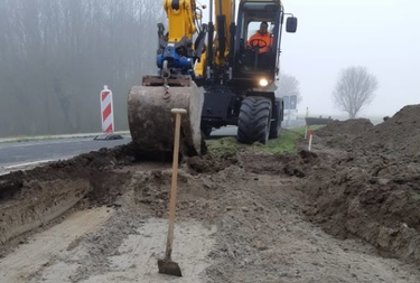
262,39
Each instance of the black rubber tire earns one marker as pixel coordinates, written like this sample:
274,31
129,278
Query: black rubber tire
275,126
254,120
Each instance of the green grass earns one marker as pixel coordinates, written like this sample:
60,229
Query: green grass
223,146
286,143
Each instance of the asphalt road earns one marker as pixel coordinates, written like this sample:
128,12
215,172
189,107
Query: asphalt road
17,155
13,155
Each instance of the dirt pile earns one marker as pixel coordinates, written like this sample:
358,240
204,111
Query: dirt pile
398,135
380,205
340,134
372,190
351,127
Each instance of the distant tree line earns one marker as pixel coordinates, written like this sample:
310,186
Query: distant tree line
56,55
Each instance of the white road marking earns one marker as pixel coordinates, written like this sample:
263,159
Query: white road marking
4,170
19,165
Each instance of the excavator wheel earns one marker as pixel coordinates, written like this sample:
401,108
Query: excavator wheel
254,120
151,122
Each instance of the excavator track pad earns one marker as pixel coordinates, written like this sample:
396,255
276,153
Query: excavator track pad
151,122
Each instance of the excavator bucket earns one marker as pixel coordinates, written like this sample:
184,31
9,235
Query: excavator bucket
150,118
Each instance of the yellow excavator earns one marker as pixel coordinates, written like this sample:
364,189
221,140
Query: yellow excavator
216,71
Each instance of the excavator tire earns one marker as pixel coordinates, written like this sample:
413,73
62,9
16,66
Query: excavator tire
254,120
151,122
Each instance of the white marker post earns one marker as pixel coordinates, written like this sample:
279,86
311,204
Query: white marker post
311,136
107,111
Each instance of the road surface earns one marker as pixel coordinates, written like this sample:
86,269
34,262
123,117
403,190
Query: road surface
20,154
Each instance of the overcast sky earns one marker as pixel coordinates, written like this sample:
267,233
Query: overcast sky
382,35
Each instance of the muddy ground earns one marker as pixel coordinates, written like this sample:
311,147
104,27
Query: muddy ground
349,211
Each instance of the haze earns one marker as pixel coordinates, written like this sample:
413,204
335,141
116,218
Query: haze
381,35
56,55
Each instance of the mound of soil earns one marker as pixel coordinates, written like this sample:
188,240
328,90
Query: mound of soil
372,191
353,127
340,134
372,202
397,135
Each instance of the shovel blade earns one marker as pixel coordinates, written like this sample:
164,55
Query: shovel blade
169,267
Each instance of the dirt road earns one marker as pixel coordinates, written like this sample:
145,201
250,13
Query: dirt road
326,216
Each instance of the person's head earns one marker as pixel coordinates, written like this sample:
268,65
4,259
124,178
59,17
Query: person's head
263,28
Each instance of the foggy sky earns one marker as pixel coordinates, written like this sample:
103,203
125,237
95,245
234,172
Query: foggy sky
382,35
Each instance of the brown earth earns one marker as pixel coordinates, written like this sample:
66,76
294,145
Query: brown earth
349,211
369,185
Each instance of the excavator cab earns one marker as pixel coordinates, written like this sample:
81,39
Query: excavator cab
257,50
258,54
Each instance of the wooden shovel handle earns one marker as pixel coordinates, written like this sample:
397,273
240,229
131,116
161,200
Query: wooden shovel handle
172,196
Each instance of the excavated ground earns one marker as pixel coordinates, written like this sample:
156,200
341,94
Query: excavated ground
368,184
349,211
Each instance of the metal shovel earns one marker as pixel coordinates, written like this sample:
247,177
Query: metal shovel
166,265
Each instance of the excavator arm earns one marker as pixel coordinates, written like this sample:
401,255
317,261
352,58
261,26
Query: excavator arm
224,27
150,104
177,47
181,19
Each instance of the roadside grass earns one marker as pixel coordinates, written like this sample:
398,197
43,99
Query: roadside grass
286,143
223,146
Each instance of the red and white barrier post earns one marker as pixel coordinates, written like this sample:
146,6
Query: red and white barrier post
107,111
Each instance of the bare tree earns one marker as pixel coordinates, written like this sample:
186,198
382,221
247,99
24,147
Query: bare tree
288,86
355,88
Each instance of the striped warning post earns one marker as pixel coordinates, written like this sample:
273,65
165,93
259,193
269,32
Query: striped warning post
107,111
